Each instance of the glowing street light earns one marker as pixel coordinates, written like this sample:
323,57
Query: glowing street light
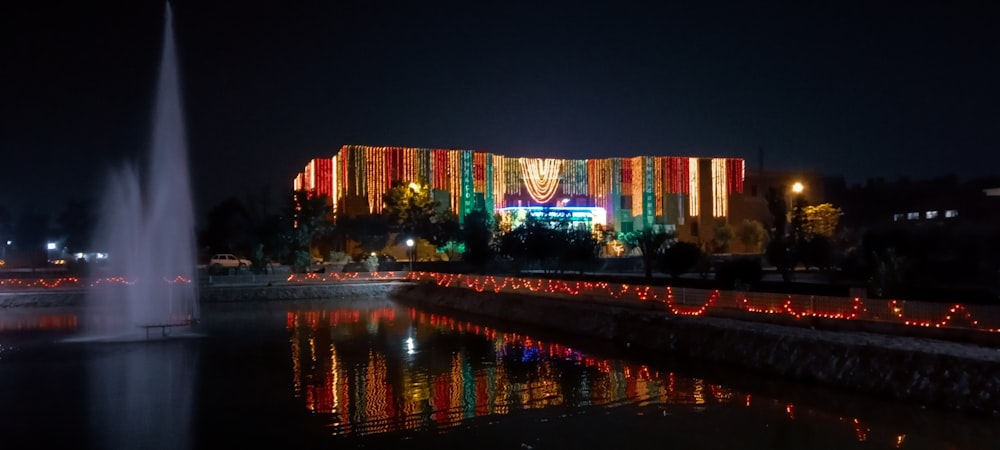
409,248
797,187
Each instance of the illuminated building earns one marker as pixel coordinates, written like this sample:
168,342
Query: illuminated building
633,193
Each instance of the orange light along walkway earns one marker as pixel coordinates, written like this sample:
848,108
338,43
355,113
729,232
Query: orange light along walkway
754,305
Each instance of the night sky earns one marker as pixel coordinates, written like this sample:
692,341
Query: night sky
852,89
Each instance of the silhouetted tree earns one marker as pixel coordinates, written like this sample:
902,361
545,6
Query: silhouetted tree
780,253
307,222
779,209
816,251
533,242
371,232
797,220
443,232
228,228
477,233
581,250
679,258
265,222
746,271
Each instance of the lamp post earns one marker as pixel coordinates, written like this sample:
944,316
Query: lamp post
409,248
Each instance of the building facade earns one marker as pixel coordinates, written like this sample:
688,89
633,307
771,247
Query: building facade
633,193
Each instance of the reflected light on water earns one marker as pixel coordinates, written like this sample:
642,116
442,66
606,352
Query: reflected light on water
377,387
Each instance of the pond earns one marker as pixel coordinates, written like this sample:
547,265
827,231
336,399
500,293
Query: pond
374,374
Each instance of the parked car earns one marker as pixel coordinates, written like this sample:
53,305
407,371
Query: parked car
226,261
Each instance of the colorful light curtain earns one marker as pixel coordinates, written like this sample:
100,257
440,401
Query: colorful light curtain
643,183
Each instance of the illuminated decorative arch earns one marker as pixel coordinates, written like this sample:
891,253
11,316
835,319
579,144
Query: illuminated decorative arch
541,177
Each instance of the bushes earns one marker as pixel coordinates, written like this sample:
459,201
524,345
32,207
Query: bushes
742,271
679,258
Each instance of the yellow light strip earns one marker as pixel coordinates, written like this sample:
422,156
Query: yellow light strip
693,207
720,205
541,177
637,186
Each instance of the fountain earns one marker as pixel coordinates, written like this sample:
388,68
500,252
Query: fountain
148,229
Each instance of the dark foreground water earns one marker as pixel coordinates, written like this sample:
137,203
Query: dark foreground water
371,374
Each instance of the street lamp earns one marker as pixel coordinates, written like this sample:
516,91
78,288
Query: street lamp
409,247
797,187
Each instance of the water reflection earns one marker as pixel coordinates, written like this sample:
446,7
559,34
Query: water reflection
142,394
373,372
378,376
30,321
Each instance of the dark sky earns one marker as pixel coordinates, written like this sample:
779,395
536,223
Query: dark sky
863,89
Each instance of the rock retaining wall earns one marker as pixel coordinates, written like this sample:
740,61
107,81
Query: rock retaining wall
296,292
213,294
935,373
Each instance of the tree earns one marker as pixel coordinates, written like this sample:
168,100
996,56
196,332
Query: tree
780,253
265,222
581,250
228,228
739,271
679,258
752,235
478,236
816,251
371,232
722,234
778,209
821,220
532,242
797,220
444,232
409,209
308,222
649,242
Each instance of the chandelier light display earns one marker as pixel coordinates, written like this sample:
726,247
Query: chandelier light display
541,177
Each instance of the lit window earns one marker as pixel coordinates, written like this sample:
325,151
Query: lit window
931,215
913,216
951,213
897,217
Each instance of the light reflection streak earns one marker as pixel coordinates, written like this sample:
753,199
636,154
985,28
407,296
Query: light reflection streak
375,395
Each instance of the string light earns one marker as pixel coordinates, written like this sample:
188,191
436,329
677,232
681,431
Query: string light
366,172
541,177
795,307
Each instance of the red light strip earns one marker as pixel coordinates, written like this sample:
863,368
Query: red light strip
845,309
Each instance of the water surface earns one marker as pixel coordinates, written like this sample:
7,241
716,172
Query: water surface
373,374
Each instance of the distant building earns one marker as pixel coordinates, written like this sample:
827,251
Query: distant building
944,201
631,193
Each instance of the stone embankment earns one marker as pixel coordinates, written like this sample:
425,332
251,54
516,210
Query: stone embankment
935,373
218,294
304,291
